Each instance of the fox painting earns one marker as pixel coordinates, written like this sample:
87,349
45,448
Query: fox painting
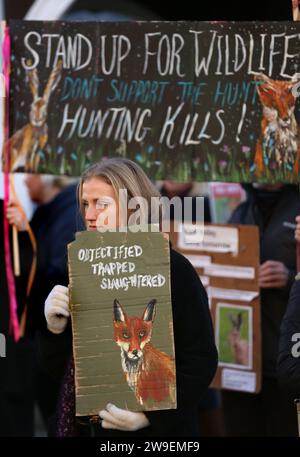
277,147
149,372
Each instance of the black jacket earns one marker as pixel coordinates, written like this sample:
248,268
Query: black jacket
289,351
16,387
193,216
277,242
54,225
196,354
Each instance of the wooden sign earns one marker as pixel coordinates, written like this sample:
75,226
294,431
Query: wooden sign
122,321
189,101
227,260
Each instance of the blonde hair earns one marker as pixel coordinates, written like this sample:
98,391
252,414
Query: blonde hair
122,173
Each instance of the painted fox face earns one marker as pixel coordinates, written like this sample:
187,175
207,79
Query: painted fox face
133,333
277,99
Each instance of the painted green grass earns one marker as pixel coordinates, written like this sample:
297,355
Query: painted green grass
226,354
236,168
158,165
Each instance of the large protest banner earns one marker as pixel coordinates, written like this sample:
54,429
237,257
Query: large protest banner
186,100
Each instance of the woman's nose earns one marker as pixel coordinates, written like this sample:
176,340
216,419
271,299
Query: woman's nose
91,213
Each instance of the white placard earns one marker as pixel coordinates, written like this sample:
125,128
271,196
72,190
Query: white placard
229,271
211,238
198,261
204,280
238,380
232,294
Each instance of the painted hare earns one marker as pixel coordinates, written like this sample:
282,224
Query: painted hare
25,142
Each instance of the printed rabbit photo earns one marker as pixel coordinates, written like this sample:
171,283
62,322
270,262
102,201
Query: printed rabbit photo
25,143
239,346
149,372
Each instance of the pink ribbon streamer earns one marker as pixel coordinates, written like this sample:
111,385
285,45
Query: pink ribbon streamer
14,327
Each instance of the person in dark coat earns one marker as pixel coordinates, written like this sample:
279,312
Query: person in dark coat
271,412
173,189
195,351
54,224
210,414
16,380
288,366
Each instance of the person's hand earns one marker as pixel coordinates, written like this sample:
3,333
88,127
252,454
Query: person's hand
297,231
57,309
273,274
121,419
15,217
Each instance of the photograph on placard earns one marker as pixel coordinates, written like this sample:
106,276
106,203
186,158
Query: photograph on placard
234,336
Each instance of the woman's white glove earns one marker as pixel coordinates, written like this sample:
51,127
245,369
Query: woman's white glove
57,309
121,419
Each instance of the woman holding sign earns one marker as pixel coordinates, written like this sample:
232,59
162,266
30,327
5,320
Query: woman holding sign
195,351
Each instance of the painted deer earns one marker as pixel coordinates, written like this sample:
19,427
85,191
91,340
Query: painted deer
25,142
149,372
239,346
278,141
